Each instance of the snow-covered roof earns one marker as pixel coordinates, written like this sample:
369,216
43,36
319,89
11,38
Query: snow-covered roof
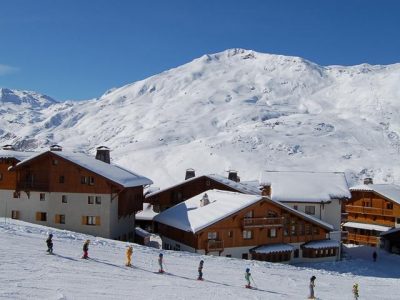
19,155
289,186
141,232
190,216
273,248
366,226
147,214
322,244
112,172
389,191
240,187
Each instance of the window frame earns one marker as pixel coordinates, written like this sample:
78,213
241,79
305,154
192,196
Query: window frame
247,234
97,200
90,200
64,199
42,197
307,208
212,235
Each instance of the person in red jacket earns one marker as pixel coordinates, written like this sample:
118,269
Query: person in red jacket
86,249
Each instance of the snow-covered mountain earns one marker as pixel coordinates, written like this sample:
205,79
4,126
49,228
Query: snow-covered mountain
29,273
237,109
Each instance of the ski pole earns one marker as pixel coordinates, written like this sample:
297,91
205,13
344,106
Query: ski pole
253,281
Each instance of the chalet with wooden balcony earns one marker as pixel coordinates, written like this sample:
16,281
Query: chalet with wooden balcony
76,192
373,210
318,194
192,186
245,226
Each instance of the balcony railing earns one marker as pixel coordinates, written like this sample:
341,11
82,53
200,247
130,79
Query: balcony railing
262,222
214,245
369,210
363,239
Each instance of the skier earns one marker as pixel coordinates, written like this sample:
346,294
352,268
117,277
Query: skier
86,249
49,243
129,251
200,270
160,263
247,276
312,285
355,291
374,256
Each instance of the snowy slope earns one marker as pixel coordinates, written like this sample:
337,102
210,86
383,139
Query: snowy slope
29,273
236,109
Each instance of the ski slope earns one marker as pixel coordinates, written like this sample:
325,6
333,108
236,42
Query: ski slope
27,272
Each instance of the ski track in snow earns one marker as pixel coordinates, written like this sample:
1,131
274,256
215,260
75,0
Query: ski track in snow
28,272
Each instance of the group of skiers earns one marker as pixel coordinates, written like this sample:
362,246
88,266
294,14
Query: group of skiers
247,275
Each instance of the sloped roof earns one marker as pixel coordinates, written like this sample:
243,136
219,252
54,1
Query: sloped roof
290,186
240,187
19,155
266,249
147,214
322,244
190,216
112,172
389,191
366,226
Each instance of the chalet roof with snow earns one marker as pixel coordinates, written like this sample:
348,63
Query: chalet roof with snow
322,244
289,186
18,155
111,172
238,186
366,226
147,214
389,191
191,216
274,248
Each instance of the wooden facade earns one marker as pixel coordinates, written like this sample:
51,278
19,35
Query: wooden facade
7,179
167,198
369,207
263,223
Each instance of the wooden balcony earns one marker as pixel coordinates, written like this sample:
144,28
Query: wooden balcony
362,239
369,210
32,186
262,222
214,245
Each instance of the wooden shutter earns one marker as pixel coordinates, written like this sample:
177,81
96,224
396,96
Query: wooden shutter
84,219
97,220
38,216
57,219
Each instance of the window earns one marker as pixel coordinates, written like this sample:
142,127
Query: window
398,220
64,199
42,196
315,230
272,214
91,180
59,219
272,232
41,216
249,214
98,200
55,162
16,195
230,233
208,183
300,228
84,180
14,214
91,220
389,205
247,234
308,229
90,200
212,235
293,231
310,210
61,179
228,255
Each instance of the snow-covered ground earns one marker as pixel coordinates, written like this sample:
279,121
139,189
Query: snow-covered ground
27,272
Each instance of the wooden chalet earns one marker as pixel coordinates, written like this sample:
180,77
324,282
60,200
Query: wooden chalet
192,186
77,192
245,226
373,210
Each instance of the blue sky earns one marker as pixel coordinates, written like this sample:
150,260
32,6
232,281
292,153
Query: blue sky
78,49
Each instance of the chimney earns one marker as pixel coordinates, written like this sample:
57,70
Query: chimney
266,190
368,180
190,173
103,154
55,148
204,201
8,147
232,175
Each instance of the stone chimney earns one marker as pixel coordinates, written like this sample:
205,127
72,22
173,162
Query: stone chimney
55,148
8,147
232,175
103,154
266,190
204,201
368,180
190,173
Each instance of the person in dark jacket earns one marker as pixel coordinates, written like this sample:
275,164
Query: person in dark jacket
86,249
49,243
312,286
200,270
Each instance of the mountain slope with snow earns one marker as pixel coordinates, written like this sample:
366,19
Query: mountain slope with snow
237,109
29,273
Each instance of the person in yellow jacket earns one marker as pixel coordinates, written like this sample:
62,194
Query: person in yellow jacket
129,251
